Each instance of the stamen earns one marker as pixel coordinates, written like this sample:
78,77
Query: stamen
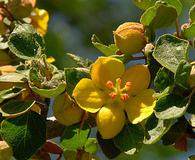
113,95
124,97
118,81
110,85
128,86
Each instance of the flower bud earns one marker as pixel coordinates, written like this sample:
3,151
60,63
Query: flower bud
130,38
191,79
20,8
66,110
5,151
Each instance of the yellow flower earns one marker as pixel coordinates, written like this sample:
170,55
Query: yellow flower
40,18
112,91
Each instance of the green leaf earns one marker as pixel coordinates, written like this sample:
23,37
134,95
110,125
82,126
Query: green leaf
192,13
189,31
191,108
10,93
156,128
49,93
106,50
91,145
26,134
158,16
171,106
144,4
25,42
182,74
73,76
108,147
74,138
130,137
163,79
70,155
15,107
170,51
80,62
13,78
175,132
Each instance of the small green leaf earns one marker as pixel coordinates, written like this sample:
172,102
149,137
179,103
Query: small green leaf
176,4
106,50
171,106
25,42
10,93
182,74
80,62
73,76
108,147
158,16
15,107
91,145
156,128
144,4
189,32
170,51
130,137
192,13
26,134
163,79
74,138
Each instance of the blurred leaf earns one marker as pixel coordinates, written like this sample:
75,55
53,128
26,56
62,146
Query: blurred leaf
25,42
144,4
15,107
182,74
108,147
191,157
192,13
70,155
131,137
171,106
158,16
91,145
156,128
170,51
26,134
163,79
189,32
73,76
81,62
106,50
10,93
74,138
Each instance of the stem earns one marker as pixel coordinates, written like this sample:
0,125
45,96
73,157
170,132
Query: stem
177,28
83,118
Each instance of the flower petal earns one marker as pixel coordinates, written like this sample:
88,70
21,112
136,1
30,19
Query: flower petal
88,96
139,76
141,106
110,121
40,18
106,69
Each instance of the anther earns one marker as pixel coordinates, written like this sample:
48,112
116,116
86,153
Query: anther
128,86
124,97
109,85
113,95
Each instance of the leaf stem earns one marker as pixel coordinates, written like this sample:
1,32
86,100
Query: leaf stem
177,28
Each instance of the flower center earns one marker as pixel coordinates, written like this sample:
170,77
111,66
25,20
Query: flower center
116,90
